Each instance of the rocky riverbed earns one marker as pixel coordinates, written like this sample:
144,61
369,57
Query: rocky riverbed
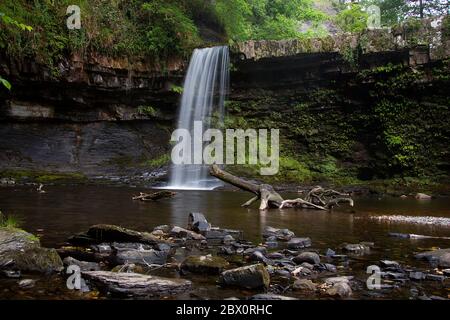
189,262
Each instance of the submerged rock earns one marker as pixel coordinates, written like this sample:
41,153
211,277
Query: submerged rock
20,250
204,264
219,234
309,257
279,234
358,248
250,277
136,284
299,243
144,257
439,257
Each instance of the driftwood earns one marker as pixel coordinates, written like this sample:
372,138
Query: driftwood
317,198
155,195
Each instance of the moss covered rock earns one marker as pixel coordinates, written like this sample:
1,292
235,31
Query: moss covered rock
20,250
250,277
204,264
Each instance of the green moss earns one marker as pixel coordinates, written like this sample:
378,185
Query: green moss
147,111
158,162
43,176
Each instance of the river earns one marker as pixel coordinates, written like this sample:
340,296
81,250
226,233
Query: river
65,210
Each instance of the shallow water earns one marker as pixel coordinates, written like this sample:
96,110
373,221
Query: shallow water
65,210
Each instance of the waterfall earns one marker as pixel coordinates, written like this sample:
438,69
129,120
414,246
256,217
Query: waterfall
204,91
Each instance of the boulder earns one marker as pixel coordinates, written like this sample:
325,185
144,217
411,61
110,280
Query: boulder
304,285
135,284
299,243
204,264
20,250
143,257
439,257
84,265
310,257
198,223
111,233
249,277
259,257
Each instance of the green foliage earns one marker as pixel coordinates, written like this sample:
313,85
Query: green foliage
147,111
9,221
5,83
176,89
268,19
159,161
353,19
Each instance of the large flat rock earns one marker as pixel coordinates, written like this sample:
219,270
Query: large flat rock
440,257
137,284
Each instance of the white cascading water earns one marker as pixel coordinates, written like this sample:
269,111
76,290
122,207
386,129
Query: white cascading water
204,91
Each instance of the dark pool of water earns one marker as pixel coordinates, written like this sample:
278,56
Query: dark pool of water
65,210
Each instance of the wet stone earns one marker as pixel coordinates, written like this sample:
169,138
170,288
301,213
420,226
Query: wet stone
435,277
325,267
145,257
27,283
438,257
330,253
258,256
279,234
228,240
310,257
198,223
84,266
304,285
340,289
416,275
277,255
270,296
135,284
164,228
218,234
390,264
356,248
299,243
250,251
250,277
204,264
179,232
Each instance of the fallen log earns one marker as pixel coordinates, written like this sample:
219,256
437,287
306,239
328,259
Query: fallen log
317,198
154,196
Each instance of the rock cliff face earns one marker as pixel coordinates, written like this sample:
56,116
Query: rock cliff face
99,116
337,102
